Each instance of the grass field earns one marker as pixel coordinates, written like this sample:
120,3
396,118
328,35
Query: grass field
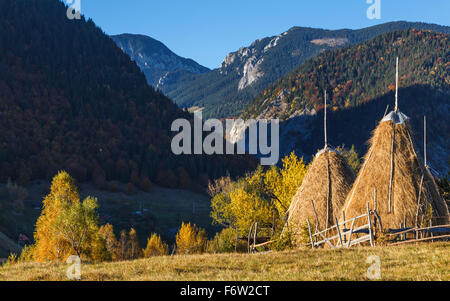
414,262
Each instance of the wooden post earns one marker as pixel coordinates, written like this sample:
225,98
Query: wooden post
325,120
396,86
328,192
254,236
248,238
425,140
310,235
339,231
385,112
350,236
404,225
392,167
370,225
343,223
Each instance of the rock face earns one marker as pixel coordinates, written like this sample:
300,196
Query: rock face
154,58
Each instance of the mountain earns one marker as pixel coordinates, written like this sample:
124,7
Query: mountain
227,90
72,100
154,58
360,81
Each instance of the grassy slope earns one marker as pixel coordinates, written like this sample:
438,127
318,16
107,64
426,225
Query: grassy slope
416,262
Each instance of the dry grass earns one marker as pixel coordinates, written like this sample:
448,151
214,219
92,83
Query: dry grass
329,176
407,173
414,262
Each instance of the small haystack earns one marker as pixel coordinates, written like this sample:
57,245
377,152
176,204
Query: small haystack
323,191
322,194
405,189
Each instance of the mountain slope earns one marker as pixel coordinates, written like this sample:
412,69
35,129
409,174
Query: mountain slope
154,58
357,74
71,99
226,91
360,81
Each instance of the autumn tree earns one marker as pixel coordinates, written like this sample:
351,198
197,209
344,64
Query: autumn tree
123,244
50,245
262,196
67,226
133,249
155,247
190,239
77,224
111,242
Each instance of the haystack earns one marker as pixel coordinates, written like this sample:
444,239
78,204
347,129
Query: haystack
405,189
322,194
323,190
406,192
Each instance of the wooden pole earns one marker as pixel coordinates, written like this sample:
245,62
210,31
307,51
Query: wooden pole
418,203
370,225
328,191
310,235
325,120
425,140
396,86
385,112
392,167
339,231
254,236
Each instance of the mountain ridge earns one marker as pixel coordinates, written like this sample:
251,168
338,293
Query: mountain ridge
154,58
227,90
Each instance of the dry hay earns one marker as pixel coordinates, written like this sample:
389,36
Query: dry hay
322,185
407,173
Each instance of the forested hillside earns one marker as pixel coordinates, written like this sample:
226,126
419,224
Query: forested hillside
357,74
71,99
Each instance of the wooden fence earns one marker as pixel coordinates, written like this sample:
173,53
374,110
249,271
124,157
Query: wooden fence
344,237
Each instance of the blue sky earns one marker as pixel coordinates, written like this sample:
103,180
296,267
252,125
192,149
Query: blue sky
206,30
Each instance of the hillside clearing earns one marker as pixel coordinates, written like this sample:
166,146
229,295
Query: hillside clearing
414,262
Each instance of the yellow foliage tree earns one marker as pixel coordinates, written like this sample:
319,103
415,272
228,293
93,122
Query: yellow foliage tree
263,196
50,245
111,242
190,239
134,250
155,247
67,226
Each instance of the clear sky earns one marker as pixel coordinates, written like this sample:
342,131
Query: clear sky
206,30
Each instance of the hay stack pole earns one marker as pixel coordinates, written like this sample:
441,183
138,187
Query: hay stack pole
328,161
393,138
407,185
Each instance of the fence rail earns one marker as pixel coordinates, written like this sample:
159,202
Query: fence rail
344,237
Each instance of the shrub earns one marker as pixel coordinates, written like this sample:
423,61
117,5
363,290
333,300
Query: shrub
284,241
225,242
155,247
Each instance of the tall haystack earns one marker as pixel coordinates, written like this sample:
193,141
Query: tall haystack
322,194
323,190
405,189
